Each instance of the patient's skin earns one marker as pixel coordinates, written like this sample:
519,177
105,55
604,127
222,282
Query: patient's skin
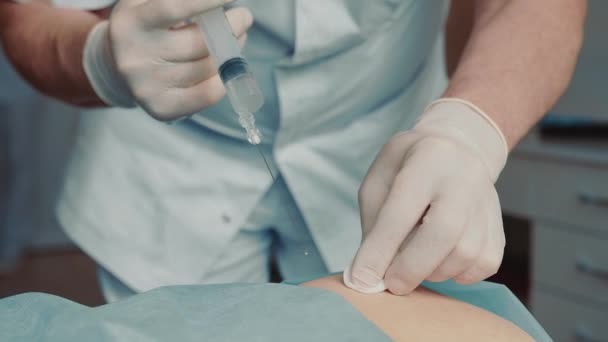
425,315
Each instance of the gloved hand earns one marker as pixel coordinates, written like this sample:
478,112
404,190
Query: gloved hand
429,209
145,54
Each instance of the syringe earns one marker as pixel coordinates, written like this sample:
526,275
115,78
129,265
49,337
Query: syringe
242,89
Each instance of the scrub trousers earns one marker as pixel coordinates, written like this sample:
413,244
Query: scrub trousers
275,226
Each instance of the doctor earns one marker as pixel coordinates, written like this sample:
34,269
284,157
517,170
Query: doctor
351,123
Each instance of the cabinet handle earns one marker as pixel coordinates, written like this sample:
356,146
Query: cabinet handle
593,199
584,335
583,265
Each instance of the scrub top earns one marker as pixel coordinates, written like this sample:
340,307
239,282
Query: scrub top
155,204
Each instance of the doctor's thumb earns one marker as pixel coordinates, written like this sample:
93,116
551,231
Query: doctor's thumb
363,278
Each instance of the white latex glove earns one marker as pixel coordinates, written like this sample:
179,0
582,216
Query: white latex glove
429,209
145,54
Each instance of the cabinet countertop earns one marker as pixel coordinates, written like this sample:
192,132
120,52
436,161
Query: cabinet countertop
584,152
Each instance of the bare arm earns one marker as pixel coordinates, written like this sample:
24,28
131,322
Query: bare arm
519,59
457,32
45,45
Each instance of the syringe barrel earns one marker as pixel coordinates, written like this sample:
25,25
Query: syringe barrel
221,42
242,89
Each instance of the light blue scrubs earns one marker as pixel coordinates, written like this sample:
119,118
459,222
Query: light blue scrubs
159,204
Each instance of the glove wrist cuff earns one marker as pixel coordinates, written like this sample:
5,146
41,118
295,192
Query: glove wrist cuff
464,122
100,69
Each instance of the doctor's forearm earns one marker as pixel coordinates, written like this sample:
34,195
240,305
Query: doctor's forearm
519,59
45,46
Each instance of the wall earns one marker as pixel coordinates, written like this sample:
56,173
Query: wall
587,92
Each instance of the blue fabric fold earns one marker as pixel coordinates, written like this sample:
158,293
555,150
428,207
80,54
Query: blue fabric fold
236,312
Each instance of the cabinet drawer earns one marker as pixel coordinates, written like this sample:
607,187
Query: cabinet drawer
571,261
569,193
566,320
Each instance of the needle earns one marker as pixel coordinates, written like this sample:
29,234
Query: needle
266,162
287,209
